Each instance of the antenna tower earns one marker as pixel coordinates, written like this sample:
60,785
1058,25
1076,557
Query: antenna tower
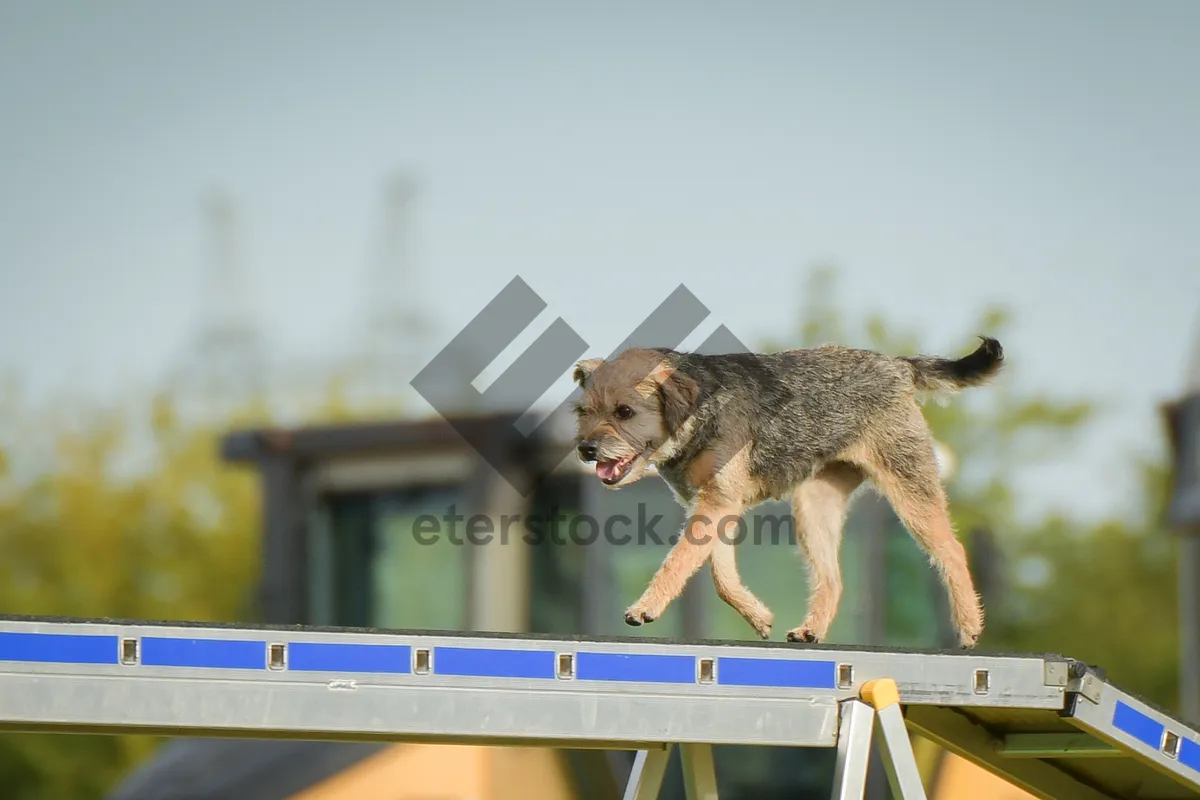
397,328
224,366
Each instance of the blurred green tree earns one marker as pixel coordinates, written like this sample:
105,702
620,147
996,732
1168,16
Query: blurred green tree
1105,593
131,515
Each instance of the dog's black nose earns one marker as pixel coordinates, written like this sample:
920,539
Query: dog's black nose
587,450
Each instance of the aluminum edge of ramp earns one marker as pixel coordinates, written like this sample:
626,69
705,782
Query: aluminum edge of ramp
237,680
347,684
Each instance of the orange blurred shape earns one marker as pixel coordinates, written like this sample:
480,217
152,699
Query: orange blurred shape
958,778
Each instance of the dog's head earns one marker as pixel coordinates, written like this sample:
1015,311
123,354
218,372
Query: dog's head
630,407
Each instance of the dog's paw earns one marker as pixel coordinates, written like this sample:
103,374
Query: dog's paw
763,629
762,622
968,639
802,634
970,629
637,616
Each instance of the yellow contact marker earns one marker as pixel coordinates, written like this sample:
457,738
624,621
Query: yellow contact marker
880,693
899,761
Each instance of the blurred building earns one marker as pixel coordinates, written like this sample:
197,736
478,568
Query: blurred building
342,546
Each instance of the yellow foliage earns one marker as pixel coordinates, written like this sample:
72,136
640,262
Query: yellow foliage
131,520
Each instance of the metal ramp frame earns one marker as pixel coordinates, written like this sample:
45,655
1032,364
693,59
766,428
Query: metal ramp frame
1051,725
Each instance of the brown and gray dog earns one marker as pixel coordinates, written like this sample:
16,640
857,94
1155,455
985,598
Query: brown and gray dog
727,432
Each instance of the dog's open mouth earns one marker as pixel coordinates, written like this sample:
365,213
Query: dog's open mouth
611,472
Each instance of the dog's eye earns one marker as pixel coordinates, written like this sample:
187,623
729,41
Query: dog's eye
624,412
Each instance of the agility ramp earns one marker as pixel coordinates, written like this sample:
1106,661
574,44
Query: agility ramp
1051,725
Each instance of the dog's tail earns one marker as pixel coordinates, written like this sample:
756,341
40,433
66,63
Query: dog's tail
937,375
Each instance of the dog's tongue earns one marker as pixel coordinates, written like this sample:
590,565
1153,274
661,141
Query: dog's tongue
605,470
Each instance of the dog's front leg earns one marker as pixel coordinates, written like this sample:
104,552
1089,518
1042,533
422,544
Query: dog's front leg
696,542
731,589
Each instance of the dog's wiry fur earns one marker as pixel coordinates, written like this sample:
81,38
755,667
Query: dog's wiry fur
727,432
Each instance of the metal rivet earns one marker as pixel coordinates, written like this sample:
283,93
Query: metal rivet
566,666
983,681
845,676
1170,745
276,656
129,651
421,667
707,670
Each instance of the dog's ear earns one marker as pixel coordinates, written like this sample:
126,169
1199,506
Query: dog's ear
585,368
676,392
679,394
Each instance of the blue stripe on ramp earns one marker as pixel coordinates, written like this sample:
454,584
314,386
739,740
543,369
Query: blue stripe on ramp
777,672
203,653
486,662
58,648
331,657
640,668
1141,727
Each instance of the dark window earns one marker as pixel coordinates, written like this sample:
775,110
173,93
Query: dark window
557,564
391,559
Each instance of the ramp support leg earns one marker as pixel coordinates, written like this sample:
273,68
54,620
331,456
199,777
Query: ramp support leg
853,750
879,706
898,758
699,774
646,777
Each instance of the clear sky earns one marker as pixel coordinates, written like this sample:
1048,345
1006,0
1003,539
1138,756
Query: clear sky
945,156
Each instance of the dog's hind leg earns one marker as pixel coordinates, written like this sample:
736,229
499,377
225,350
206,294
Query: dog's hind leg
819,508
730,588
695,544
904,469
